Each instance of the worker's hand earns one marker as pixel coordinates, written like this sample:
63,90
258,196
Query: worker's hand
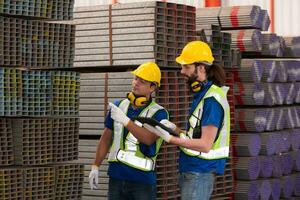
118,115
165,135
168,124
93,177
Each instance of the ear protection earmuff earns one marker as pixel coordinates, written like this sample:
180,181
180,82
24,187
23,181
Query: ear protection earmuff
137,101
196,86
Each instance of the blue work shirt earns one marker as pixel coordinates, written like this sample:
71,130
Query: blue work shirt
121,171
213,114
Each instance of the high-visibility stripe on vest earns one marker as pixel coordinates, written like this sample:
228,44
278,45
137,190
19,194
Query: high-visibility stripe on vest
220,148
126,150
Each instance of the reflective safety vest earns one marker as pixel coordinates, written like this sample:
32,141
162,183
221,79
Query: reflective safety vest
127,150
220,148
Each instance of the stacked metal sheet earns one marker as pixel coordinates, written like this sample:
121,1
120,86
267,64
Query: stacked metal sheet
45,9
68,181
246,40
36,44
66,86
37,93
11,92
65,139
6,142
133,33
39,183
32,141
11,186
207,16
95,92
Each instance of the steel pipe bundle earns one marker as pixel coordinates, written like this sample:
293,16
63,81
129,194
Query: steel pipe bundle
247,168
43,9
252,120
268,143
295,139
249,94
281,123
206,16
133,33
246,144
296,191
287,186
292,118
247,190
286,142
270,94
280,93
287,164
277,167
297,97
296,158
265,20
246,40
265,189
293,71
69,181
276,189
272,119
290,93
36,44
292,46
271,45
251,70
269,70
11,184
281,71
266,163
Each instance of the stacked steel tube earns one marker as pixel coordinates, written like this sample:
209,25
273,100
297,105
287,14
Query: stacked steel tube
36,44
39,124
292,46
133,33
43,9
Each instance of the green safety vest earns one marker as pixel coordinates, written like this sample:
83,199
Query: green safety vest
128,151
220,148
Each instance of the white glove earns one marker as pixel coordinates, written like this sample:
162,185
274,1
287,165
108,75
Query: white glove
93,177
165,135
118,115
168,124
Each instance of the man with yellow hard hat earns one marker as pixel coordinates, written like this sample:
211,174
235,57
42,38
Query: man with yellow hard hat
204,146
132,149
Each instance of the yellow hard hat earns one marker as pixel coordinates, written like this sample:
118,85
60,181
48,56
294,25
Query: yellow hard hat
149,71
195,51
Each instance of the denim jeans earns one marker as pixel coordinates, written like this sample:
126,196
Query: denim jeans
196,186
126,190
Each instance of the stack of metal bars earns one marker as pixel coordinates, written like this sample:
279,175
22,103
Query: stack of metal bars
65,139
68,181
11,92
207,16
247,190
246,168
296,191
6,142
271,45
133,33
66,86
266,163
33,142
265,189
276,188
246,40
287,186
87,152
37,93
96,90
292,47
230,97
214,39
226,50
11,184
43,9
246,144
240,17
249,94
265,20
252,120
39,183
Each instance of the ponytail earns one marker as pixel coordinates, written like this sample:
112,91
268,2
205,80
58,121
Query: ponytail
216,74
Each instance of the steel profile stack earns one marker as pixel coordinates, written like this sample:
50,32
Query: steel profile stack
271,45
68,181
33,143
265,189
6,142
266,169
247,168
87,152
39,183
292,47
66,86
265,20
65,139
43,9
11,186
246,144
247,190
133,33
37,93
11,92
